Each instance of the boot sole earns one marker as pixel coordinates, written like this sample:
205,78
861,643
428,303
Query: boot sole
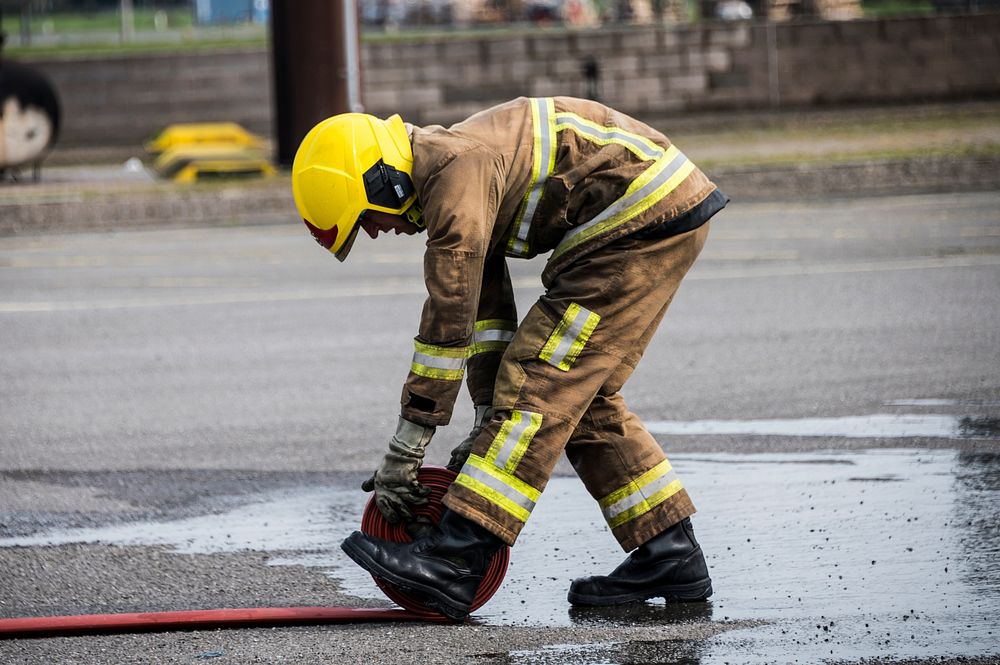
679,593
434,598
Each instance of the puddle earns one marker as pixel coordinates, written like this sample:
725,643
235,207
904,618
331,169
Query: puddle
848,555
876,426
942,402
305,521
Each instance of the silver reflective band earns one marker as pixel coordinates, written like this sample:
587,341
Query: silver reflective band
623,203
570,337
493,335
638,496
499,486
513,440
608,134
543,163
438,362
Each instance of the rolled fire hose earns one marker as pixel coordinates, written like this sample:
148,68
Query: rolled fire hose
372,523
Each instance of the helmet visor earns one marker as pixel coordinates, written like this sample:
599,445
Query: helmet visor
341,253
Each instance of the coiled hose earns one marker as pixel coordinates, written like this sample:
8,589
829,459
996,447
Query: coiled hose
438,479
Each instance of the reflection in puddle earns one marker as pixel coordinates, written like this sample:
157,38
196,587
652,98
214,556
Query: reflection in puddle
852,566
641,614
847,555
977,490
287,520
876,426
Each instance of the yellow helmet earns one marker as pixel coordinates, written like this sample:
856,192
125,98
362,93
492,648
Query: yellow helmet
346,165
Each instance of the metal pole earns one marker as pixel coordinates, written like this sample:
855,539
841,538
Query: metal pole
352,57
316,67
26,23
774,84
127,19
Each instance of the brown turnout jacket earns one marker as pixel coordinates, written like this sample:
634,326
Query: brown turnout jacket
528,177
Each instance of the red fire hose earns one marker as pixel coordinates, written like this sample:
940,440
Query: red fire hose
372,523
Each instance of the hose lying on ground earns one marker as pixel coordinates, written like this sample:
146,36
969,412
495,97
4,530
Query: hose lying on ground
372,523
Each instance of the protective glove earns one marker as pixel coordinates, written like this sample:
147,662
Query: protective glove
395,481
484,414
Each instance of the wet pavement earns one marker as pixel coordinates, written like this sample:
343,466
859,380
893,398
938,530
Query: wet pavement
209,400
831,556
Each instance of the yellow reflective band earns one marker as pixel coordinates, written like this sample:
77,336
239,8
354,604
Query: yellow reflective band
641,495
496,324
654,184
646,505
639,146
503,490
512,440
492,335
493,496
636,485
439,362
511,481
543,162
566,342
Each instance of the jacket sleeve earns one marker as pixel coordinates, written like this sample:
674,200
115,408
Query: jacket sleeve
496,321
460,199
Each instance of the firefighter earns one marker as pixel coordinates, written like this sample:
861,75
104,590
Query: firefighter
622,214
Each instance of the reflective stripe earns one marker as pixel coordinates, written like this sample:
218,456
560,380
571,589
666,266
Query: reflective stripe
512,440
639,146
654,184
641,495
568,339
439,362
544,159
492,335
499,488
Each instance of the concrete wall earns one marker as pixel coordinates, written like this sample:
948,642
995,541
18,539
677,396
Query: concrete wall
649,72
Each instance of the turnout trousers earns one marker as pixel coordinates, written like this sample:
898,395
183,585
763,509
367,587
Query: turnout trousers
558,389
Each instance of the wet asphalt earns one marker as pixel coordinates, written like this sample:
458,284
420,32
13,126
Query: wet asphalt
185,416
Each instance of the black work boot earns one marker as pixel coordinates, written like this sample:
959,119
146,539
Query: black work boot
444,568
670,565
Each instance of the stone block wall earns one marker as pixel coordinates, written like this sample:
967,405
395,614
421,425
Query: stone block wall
641,71
650,72
888,61
125,100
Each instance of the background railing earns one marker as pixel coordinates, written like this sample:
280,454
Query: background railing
48,24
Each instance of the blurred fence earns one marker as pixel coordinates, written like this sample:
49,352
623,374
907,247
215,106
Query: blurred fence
53,23
651,72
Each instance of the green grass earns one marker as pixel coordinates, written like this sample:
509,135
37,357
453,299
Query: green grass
848,157
897,133
116,48
96,33
376,36
188,36
888,8
56,23
215,38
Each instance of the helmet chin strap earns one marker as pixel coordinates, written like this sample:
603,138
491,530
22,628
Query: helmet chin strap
415,214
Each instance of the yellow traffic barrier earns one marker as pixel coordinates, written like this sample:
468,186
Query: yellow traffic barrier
210,169
172,160
203,132
200,151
